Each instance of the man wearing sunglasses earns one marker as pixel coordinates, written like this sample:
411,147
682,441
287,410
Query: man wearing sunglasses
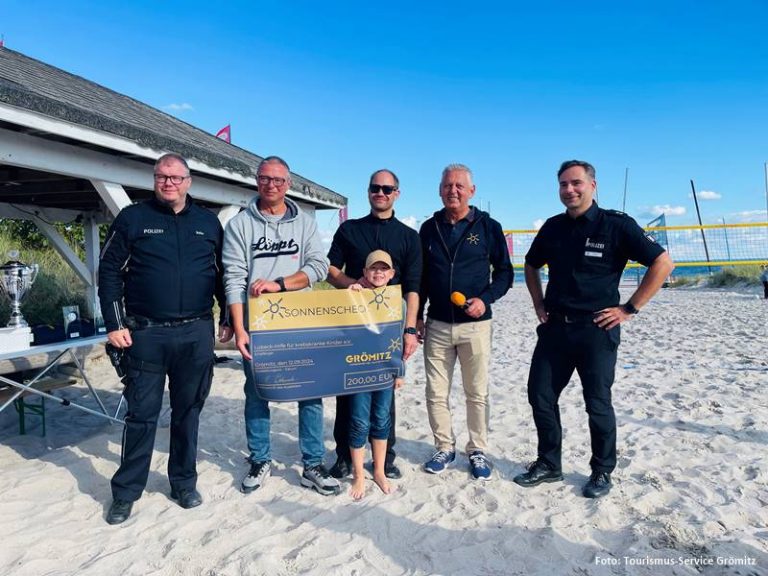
160,268
352,243
273,246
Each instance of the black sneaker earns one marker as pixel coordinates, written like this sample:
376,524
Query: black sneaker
538,472
392,471
256,477
599,485
342,469
317,478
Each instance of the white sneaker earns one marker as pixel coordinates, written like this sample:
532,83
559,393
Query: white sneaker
256,476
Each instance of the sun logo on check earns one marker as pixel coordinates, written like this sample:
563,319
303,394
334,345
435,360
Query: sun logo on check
259,323
274,308
379,299
473,239
395,344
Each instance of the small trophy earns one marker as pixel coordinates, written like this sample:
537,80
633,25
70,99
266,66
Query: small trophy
15,281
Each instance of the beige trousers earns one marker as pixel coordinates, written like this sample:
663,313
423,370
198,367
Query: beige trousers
471,344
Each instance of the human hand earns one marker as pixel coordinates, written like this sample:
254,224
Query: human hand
225,333
475,307
261,286
410,345
421,331
608,318
242,342
120,338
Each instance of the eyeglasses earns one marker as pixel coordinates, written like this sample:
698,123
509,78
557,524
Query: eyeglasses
265,180
176,180
385,189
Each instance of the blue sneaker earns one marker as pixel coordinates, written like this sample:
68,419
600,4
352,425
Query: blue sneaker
480,466
439,461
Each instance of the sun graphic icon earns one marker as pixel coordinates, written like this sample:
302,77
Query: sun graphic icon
394,344
259,323
379,299
274,308
473,239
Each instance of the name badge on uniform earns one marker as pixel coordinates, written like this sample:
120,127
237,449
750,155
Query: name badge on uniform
593,245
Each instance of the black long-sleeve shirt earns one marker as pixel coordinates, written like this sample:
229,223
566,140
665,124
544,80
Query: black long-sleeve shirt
357,238
161,265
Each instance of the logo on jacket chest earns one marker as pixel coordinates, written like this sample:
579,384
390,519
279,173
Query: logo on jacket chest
154,231
473,239
591,247
267,248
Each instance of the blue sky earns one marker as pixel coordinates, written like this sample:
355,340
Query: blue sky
673,91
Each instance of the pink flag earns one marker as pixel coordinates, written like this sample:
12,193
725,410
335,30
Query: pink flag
225,134
342,215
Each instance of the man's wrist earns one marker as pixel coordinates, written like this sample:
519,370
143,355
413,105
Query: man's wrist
280,281
629,308
410,330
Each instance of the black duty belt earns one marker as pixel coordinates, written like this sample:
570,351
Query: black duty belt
134,322
572,317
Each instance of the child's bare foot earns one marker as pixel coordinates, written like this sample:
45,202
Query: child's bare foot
357,490
382,482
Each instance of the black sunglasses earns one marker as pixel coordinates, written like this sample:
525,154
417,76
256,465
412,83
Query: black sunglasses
376,188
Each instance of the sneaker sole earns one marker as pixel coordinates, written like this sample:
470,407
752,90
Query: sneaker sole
324,491
428,471
481,479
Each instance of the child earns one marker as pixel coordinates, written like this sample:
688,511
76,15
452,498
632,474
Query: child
370,410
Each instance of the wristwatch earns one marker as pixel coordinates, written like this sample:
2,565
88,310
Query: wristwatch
280,282
410,330
629,308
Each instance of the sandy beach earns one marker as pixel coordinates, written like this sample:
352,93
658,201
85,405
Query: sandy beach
690,492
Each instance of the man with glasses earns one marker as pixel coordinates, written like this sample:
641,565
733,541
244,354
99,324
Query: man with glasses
273,246
159,271
466,269
352,243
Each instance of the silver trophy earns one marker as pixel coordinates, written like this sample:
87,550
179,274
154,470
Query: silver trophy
15,281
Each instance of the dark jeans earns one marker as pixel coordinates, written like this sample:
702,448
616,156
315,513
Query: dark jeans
370,416
591,351
185,354
342,424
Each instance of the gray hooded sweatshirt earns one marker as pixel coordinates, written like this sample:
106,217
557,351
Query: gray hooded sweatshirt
256,248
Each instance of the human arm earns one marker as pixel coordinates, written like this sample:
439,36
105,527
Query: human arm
411,341
652,281
502,274
112,262
242,338
533,283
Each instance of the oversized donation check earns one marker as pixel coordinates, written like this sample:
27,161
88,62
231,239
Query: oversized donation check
325,343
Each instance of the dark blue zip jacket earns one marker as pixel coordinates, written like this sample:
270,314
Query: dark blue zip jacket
478,267
160,265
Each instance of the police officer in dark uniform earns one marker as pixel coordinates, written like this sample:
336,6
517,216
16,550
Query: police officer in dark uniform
586,249
159,271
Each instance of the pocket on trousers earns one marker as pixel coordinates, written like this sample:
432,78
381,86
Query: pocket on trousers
614,338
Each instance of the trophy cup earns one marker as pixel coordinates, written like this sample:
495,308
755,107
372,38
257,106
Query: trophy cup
15,281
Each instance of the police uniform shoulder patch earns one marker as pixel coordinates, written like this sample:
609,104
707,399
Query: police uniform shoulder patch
618,213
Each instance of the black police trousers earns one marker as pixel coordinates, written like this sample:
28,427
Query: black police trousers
591,351
341,430
185,354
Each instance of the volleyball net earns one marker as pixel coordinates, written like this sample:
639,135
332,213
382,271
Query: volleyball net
689,246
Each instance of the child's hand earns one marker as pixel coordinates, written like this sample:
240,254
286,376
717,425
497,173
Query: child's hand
355,287
399,383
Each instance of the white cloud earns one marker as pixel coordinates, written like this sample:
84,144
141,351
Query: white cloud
659,209
538,223
410,221
707,195
747,216
183,107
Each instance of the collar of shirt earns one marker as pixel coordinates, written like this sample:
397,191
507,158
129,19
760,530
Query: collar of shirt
470,217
